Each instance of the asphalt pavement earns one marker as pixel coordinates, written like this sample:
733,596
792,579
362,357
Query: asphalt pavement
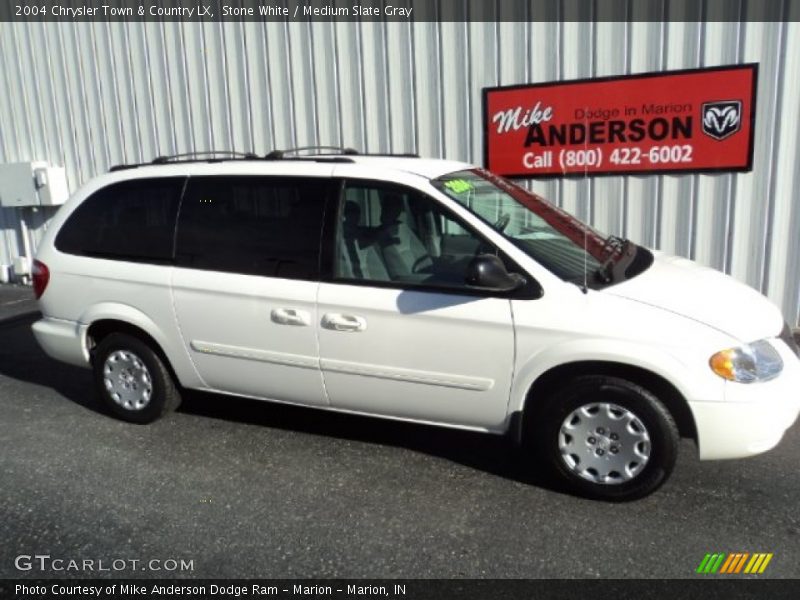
249,489
16,302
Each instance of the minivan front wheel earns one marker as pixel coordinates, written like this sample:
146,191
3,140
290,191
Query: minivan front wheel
608,438
132,379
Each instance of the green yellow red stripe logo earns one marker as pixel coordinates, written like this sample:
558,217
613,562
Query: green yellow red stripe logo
734,563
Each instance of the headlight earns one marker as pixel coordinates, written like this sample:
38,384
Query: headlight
758,361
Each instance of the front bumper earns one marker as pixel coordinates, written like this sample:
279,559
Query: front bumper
62,340
753,417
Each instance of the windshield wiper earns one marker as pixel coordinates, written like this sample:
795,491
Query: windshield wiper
615,243
620,252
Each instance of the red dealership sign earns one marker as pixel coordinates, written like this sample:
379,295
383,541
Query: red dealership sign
674,121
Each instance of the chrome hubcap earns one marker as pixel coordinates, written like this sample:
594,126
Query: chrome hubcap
604,443
127,380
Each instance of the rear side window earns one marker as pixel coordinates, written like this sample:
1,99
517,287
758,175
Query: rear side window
131,220
269,226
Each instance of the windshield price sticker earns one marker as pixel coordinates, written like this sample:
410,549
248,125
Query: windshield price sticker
459,186
675,121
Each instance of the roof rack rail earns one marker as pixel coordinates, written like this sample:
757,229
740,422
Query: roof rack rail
328,154
279,154
393,154
200,155
162,160
342,150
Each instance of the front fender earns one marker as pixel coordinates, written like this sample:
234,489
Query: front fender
690,376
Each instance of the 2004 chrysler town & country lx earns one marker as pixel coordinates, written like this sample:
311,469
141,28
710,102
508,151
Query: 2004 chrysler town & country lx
423,290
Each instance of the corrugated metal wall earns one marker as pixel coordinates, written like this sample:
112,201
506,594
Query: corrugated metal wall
89,95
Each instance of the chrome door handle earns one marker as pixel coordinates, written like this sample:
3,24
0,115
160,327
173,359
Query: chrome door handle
340,322
290,316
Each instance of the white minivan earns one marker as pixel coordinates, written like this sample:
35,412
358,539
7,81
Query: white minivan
424,290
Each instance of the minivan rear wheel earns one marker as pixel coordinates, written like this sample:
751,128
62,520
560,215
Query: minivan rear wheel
133,380
607,438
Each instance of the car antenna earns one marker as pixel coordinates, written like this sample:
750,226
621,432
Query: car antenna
585,288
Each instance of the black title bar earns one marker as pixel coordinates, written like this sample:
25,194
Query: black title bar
706,587
399,10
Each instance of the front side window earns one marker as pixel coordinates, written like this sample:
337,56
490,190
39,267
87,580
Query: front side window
392,234
555,239
269,226
131,220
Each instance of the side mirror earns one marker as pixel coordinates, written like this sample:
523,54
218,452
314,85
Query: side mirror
487,272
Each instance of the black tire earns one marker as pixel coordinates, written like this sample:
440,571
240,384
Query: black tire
164,396
544,429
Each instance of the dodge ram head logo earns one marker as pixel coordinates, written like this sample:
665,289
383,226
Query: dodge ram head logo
722,119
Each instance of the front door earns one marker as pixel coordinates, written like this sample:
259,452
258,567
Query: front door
400,333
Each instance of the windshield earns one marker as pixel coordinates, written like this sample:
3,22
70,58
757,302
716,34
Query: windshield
555,239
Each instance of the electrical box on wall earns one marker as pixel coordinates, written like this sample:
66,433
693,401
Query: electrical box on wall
32,184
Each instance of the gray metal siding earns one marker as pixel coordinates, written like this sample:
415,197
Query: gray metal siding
89,95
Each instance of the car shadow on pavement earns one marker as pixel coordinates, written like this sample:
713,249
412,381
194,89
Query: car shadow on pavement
23,360
493,454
